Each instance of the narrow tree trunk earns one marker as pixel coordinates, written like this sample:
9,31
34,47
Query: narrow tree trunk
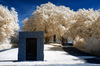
63,40
54,38
47,39
66,40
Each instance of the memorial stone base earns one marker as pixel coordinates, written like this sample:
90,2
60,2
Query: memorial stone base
31,46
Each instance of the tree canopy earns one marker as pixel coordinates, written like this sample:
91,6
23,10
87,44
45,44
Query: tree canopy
8,23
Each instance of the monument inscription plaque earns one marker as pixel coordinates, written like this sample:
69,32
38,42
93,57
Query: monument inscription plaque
31,45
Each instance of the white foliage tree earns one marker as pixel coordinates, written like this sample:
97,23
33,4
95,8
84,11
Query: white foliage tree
8,23
84,29
49,18
82,26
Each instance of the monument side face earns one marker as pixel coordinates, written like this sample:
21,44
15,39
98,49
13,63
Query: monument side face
27,51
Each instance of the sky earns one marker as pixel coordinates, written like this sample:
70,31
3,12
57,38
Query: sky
25,8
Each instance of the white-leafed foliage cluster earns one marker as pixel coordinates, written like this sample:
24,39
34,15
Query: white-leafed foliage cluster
82,26
8,23
48,18
85,30
85,24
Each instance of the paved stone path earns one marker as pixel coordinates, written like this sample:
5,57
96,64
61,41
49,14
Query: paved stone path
54,55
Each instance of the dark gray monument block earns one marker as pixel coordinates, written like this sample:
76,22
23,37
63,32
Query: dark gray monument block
31,46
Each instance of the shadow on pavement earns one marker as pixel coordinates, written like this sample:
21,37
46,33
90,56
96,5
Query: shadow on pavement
55,49
75,52
8,60
93,60
5,49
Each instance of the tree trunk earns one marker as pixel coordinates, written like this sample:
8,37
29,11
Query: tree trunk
66,40
63,40
54,38
47,39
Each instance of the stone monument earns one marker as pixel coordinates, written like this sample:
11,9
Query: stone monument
31,46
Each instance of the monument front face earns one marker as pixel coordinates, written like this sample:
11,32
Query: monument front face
31,45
